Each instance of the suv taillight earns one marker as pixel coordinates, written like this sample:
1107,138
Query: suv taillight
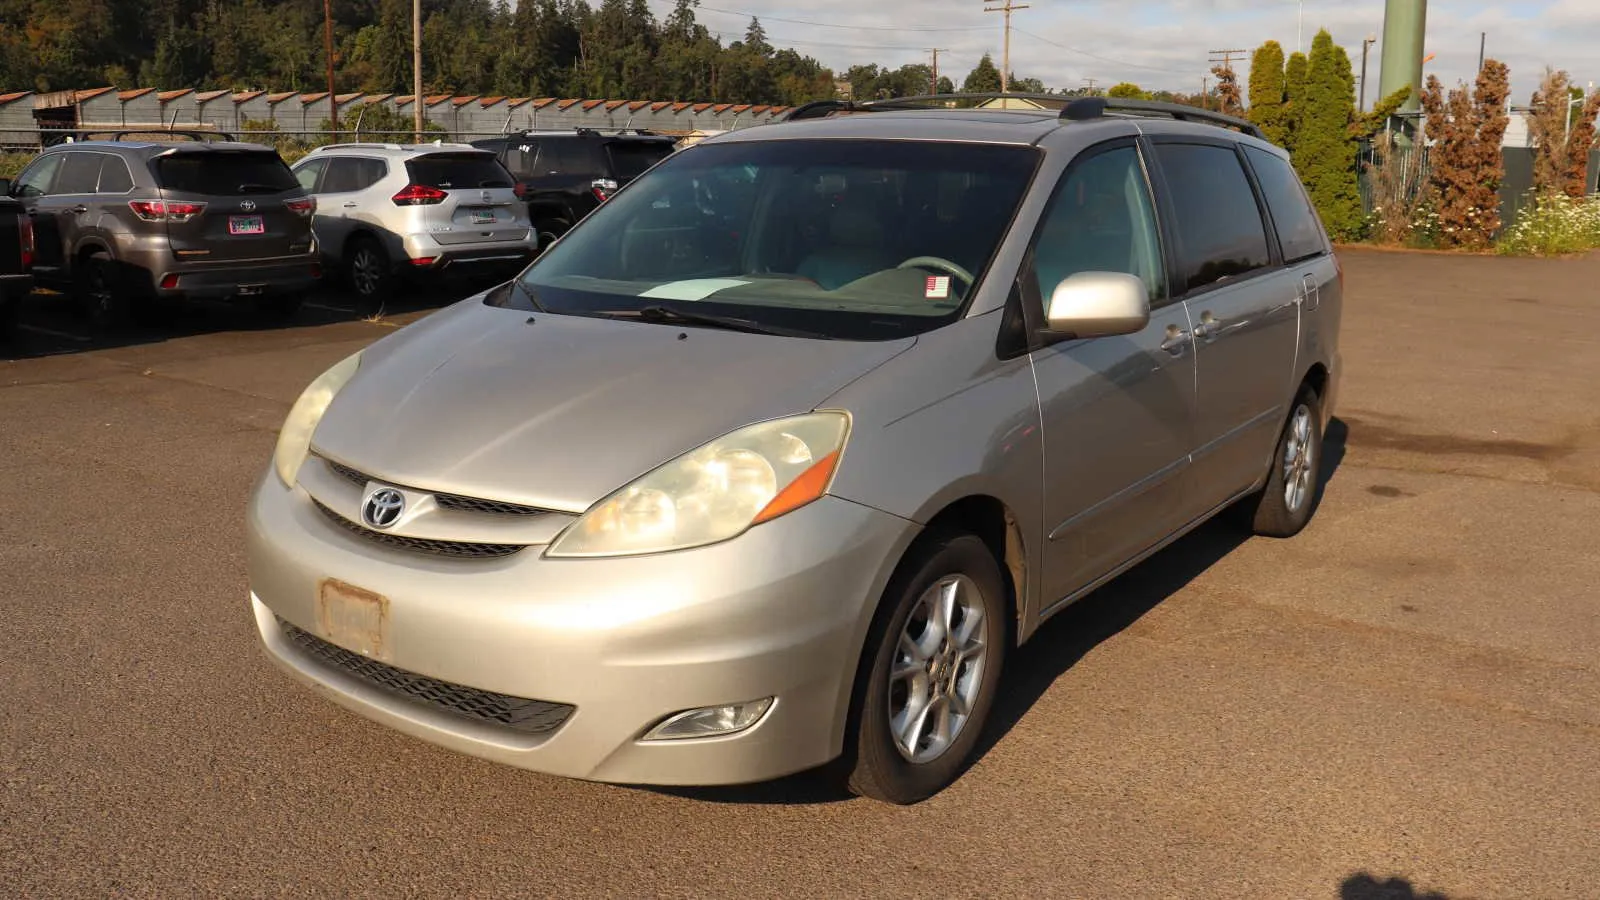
418,195
25,224
603,188
521,190
303,207
165,211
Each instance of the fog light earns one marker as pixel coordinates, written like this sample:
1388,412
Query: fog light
424,260
710,721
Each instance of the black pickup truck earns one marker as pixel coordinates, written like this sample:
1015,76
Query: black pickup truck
16,259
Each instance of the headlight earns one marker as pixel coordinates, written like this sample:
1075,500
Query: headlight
715,492
294,440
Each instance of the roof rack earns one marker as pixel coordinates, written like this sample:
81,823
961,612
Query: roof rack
1085,108
120,134
590,130
1074,109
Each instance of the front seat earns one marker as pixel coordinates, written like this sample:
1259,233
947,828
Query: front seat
855,248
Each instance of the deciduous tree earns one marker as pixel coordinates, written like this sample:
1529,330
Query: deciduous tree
1466,129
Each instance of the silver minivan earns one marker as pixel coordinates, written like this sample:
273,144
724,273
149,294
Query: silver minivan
776,457
390,213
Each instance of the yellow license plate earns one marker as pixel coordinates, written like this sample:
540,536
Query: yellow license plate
354,618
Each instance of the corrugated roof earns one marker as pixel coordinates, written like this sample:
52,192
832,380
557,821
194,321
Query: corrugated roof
518,101
134,94
613,104
173,95
563,104
280,96
436,99
351,98
373,98
459,102
14,96
542,102
701,107
80,96
591,104
680,107
740,107
208,96
246,96
659,105
311,98
636,105
404,100
487,102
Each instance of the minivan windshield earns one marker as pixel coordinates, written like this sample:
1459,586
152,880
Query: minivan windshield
850,239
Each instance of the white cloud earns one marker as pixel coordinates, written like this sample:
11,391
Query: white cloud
1163,44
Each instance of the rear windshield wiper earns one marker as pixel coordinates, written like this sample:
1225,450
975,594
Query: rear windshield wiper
672,315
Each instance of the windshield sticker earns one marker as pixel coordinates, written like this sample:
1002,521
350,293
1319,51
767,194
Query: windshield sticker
938,287
692,289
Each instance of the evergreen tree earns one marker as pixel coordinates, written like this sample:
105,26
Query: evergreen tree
983,79
1294,94
1327,151
1466,130
1267,91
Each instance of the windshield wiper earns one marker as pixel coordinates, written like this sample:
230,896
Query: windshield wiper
517,285
250,187
672,315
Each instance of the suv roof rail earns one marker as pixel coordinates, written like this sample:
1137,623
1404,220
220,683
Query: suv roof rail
357,145
818,109
1085,108
120,134
589,129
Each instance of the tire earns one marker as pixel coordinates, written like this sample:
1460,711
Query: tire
550,229
100,292
919,762
1277,511
369,273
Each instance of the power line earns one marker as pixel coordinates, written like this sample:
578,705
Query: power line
1090,82
1107,59
1225,57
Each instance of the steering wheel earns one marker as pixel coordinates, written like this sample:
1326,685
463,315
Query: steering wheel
938,262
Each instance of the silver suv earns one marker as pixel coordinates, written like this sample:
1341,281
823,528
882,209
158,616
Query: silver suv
780,453
387,211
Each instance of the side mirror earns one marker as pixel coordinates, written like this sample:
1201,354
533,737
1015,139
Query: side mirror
1099,304
5,187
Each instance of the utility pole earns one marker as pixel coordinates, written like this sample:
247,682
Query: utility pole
1366,43
1005,56
1224,58
416,66
1205,93
1090,83
327,40
1300,29
1483,43
934,87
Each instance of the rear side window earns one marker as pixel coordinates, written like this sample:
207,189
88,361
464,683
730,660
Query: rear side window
523,159
629,159
114,176
1291,209
352,174
463,170
79,174
224,173
1218,225
566,157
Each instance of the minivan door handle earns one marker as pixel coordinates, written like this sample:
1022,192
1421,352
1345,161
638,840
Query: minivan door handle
80,209
1313,293
1209,327
1176,339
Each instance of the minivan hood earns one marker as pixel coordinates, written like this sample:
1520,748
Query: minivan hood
558,411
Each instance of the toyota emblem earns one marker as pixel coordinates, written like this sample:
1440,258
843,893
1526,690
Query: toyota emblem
383,507
247,206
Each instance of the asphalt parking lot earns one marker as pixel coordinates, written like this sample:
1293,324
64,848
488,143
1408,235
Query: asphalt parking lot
1402,702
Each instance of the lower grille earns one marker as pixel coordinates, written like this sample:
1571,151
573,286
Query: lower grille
453,549
516,713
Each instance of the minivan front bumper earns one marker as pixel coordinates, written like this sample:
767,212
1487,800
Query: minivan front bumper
607,648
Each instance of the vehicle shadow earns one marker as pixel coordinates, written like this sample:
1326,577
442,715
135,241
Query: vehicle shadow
49,324
1057,646
1363,886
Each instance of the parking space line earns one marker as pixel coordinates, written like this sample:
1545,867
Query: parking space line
37,329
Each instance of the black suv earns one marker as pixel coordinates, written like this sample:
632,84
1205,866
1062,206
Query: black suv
565,174
121,223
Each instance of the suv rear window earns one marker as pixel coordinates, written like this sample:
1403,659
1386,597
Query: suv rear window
629,159
225,172
458,170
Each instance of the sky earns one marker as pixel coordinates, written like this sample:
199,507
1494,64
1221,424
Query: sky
1162,44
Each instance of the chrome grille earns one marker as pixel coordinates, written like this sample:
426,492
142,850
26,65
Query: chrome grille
516,713
453,549
445,501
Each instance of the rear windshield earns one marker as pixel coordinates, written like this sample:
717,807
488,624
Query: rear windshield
629,159
458,170
225,172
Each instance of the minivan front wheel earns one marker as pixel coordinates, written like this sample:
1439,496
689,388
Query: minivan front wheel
933,661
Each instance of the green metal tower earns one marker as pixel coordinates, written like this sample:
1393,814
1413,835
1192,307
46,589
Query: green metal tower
1405,25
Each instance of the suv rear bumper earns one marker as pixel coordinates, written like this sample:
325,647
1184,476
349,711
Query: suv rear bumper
421,253
242,280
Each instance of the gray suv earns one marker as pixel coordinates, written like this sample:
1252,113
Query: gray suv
779,454
388,213
123,223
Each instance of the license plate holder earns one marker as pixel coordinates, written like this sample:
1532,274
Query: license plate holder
246,225
354,618
482,216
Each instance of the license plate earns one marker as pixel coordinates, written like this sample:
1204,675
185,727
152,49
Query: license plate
246,225
251,290
354,618
482,216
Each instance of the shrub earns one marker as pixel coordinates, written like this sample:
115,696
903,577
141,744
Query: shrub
1553,225
12,164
